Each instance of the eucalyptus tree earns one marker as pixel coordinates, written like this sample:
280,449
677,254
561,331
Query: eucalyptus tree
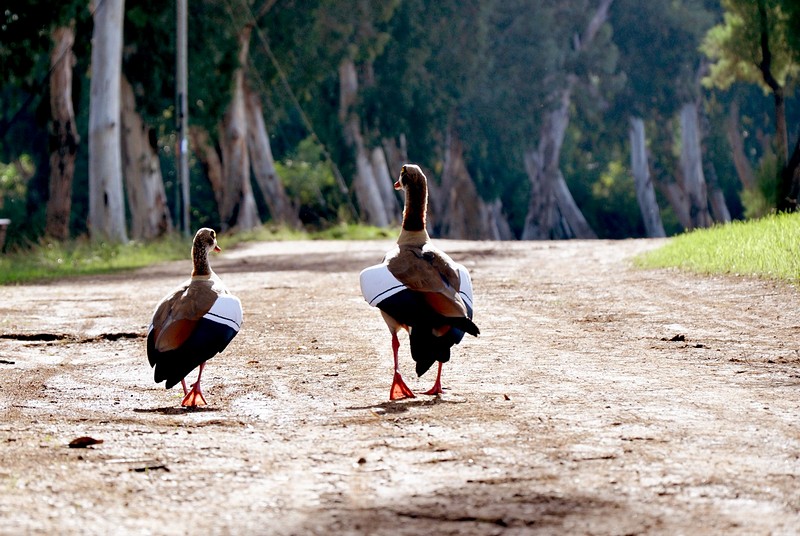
658,53
544,53
106,199
757,43
353,34
29,33
429,71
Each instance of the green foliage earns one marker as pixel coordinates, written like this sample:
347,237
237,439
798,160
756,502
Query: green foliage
760,201
486,68
618,212
668,31
769,248
734,46
309,180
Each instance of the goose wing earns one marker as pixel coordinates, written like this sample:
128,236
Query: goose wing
429,271
177,315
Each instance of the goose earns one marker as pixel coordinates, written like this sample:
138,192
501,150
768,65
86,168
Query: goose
419,288
193,323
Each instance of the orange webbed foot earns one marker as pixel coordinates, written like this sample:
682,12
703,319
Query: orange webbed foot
194,397
399,389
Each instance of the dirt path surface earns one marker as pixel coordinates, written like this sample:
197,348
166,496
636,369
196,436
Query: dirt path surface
599,399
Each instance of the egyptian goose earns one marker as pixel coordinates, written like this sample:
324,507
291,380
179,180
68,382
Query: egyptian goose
420,289
193,323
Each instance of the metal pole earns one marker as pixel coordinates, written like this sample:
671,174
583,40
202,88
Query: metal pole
183,112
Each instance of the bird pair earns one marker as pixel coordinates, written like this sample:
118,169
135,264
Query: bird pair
417,287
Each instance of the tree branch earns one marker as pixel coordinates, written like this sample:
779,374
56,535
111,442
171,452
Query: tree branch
766,54
599,18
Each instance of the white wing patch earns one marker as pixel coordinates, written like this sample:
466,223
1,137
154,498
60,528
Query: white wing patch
227,310
378,283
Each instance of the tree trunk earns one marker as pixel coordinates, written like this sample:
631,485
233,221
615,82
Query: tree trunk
765,66
396,152
238,209
280,206
573,222
144,185
385,184
540,220
740,161
786,200
462,212
64,136
368,195
106,202
209,159
692,167
792,175
645,192
719,207
552,212
677,199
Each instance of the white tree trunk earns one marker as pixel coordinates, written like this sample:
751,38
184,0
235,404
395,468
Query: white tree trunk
64,134
368,195
396,153
740,161
280,206
552,212
238,208
574,224
719,207
645,192
692,167
385,185
106,202
679,202
144,185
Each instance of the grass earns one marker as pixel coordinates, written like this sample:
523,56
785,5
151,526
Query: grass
55,260
767,248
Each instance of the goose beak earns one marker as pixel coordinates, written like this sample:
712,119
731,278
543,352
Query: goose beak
217,248
397,185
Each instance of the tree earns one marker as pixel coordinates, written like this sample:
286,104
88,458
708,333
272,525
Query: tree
106,200
144,186
63,132
657,91
756,43
280,206
238,208
645,192
552,212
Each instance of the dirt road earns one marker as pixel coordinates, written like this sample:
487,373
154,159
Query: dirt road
599,399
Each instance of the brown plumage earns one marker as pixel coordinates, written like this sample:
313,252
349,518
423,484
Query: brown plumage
434,281
193,323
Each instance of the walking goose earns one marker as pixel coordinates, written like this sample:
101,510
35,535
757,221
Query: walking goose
419,288
193,323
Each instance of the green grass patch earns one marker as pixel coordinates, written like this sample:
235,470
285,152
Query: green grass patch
350,231
55,260
768,248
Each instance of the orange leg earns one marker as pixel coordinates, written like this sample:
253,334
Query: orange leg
437,386
195,396
399,388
